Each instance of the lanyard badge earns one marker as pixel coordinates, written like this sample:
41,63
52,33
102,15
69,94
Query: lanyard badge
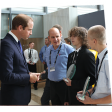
52,68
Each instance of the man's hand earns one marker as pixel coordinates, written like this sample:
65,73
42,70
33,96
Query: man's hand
43,62
87,100
34,77
29,62
69,82
66,103
43,72
80,92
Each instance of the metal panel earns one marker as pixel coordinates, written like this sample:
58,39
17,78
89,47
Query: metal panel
91,19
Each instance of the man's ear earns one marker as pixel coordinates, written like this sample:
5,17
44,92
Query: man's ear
60,34
49,38
20,27
95,41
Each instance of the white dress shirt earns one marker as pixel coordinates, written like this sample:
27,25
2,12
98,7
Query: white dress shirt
13,36
103,87
34,55
78,49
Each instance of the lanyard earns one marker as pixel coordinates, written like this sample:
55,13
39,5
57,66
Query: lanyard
100,65
56,56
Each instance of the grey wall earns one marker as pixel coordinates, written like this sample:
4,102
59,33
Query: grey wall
4,25
91,19
67,18
37,31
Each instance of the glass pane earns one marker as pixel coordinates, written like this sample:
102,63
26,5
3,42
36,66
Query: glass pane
4,25
37,31
56,8
52,9
88,6
28,9
82,10
4,9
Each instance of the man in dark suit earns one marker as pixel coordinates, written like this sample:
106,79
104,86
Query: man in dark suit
14,73
84,61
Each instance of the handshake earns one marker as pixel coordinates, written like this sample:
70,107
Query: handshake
34,77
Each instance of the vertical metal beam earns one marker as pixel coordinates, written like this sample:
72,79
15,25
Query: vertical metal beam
46,10
10,19
74,6
99,7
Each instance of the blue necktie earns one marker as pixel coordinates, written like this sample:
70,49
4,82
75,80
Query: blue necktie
20,46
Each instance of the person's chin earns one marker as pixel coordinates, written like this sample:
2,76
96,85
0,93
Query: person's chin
55,44
26,38
73,44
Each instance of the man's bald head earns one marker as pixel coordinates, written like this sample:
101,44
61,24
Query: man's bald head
55,37
53,30
97,32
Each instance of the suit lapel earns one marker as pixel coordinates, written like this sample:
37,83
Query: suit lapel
80,56
16,44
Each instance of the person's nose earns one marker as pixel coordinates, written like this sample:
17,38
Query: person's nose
55,39
31,32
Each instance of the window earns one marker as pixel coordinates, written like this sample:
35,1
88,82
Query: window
4,25
56,8
85,10
37,31
29,9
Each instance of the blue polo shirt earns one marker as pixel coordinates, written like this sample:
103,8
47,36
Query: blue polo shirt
61,62
42,52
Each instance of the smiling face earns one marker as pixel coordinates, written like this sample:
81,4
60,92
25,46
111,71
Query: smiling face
55,37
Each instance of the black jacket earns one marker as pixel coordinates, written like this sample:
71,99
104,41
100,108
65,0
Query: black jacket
85,66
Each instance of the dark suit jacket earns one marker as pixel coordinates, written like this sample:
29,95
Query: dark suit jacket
85,66
14,74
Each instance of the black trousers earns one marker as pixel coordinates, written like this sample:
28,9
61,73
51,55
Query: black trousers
0,97
57,92
32,68
46,94
45,66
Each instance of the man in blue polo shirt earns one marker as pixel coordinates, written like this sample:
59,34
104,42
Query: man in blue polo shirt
42,51
56,59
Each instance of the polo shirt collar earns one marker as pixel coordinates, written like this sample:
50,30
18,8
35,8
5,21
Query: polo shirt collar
52,48
100,56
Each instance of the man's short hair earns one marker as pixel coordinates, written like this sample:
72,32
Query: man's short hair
46,38
20,19
97,32
58,27
31,42
68,40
